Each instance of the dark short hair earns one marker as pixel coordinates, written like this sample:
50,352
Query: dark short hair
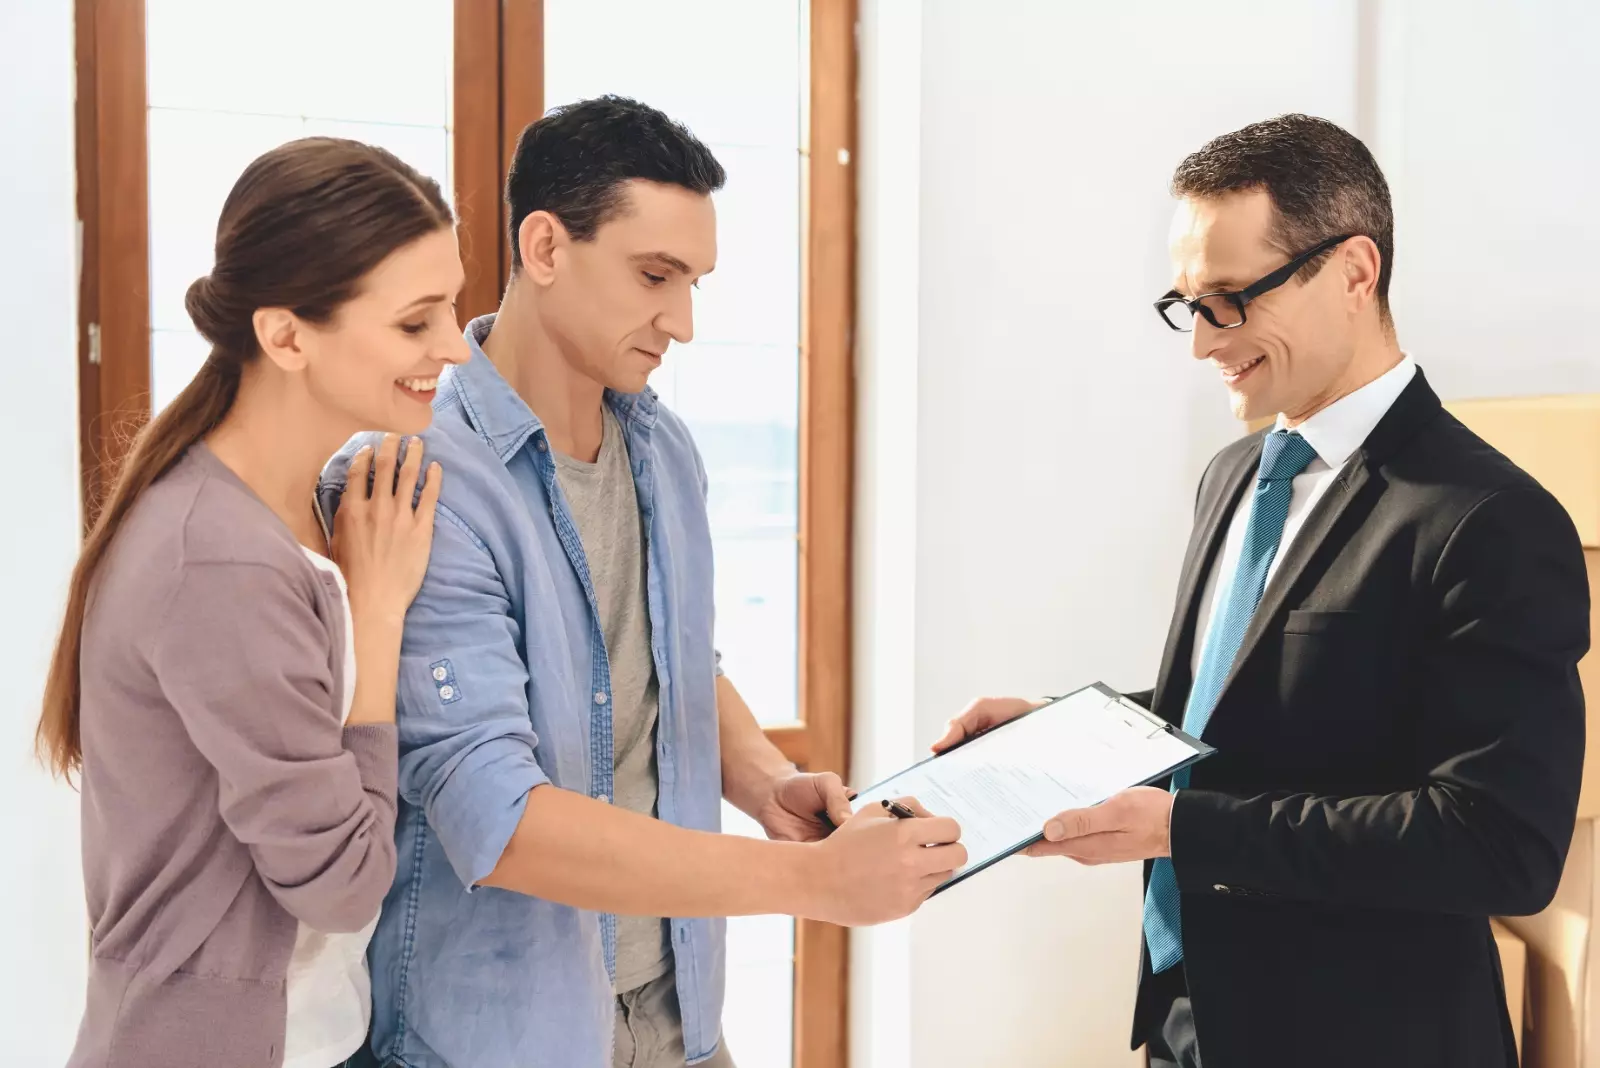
1322,180
574,161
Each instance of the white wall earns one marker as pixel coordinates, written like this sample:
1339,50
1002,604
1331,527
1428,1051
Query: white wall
1031,435
1487,123
42,943
888,477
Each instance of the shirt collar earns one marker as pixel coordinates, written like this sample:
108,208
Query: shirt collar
1339,430
497,411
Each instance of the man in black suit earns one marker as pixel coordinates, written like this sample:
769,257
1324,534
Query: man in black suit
1378,628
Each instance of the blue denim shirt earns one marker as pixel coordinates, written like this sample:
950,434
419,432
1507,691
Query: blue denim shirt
504,686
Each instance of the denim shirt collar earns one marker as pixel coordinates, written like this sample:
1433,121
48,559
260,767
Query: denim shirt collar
497,411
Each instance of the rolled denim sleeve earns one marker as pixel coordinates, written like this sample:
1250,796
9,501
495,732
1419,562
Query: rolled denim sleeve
467,748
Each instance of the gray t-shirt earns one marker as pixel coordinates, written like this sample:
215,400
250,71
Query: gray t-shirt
605,507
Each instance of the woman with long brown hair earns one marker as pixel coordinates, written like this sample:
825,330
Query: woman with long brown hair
224,681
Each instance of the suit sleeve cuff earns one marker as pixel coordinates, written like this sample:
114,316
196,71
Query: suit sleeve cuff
1206,840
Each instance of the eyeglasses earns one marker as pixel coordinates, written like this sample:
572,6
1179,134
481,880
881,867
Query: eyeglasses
1225,311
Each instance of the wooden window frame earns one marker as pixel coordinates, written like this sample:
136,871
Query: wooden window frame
499,89
113,215
827,487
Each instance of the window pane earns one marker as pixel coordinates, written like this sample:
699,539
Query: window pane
427,148
754,295
227,82
737,79
756,616
359,60
175,356
195,157
729,69
743,403
758,1017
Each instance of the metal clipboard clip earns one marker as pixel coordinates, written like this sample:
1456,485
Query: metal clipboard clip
1157,724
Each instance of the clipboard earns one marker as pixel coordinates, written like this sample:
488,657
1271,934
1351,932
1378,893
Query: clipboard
1176,750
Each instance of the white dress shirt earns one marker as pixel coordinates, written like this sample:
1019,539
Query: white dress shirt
1335,433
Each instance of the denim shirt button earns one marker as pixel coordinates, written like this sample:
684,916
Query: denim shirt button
603,799
600,697
440,673
541,446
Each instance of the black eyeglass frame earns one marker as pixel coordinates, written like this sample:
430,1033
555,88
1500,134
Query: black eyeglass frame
1265,284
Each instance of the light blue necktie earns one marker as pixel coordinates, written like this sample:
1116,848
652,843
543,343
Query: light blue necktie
1283,456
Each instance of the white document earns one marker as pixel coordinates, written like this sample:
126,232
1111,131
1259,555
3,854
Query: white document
1002,786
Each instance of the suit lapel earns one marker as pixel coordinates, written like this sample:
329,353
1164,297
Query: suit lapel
1416,407
1210,530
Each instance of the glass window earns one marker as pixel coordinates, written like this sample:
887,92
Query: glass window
734,72
758,1013
226,82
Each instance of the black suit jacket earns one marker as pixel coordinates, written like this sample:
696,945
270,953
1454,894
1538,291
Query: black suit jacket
1399,750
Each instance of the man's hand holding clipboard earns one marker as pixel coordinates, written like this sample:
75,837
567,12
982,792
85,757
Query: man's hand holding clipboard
1132,825
1060,777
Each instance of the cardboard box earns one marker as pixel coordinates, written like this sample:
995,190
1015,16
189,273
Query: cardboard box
1554,439
1589,677
1514,966
1562,1024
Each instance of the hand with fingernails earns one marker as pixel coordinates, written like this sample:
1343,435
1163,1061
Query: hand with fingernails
381,540
879,867
804,806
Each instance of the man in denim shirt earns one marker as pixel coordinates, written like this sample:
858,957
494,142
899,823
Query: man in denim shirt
566,736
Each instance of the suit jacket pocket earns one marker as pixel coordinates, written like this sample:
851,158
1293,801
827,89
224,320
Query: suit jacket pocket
1331,680
1309,621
